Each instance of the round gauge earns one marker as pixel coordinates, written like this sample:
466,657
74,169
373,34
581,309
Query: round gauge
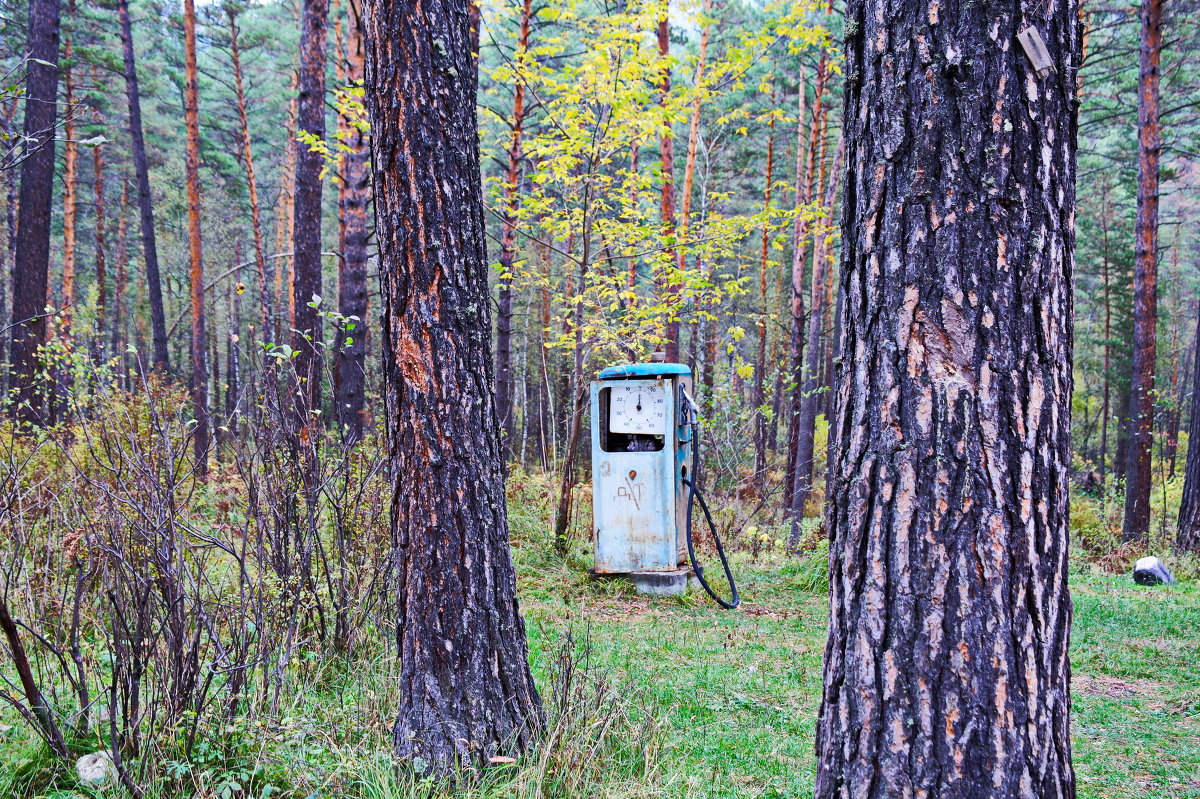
638,409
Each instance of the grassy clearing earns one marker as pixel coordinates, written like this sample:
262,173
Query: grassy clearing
677,698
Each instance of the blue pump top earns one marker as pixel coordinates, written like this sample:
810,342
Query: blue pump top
629,371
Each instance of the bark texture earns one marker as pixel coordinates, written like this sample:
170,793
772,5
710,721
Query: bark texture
946,671
1145,281
158,319
465,689
306,233
31,263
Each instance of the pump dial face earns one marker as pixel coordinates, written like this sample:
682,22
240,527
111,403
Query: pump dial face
638,409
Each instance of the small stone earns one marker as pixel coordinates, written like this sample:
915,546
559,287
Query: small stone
96,769
1151,571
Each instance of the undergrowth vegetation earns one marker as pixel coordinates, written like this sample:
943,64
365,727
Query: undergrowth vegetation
233,638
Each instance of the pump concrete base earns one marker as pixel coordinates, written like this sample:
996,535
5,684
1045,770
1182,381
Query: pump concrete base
665,583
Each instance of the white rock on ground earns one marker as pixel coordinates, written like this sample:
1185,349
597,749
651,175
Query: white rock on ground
1151,571
96,769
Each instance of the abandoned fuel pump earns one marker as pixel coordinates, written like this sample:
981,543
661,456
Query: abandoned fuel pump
644,461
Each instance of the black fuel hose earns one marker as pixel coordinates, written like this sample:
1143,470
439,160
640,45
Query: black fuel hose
693,495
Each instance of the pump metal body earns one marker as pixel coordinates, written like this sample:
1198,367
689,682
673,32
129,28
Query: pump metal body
641,454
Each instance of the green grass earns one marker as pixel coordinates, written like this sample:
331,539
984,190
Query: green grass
723,704
740,690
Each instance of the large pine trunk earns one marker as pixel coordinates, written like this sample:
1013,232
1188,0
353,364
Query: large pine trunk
158,319
306,231
31,264
465,689
1145,281
354,193
946,671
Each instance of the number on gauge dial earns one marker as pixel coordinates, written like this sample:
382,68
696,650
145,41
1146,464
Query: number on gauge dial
638,409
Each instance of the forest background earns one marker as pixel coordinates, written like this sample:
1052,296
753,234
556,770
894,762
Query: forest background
657,178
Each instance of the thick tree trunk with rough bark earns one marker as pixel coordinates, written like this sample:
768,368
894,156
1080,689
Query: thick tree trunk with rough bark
465,689
158,319
1145,281
354,195
946,671
191,115
306,233
505,384
31,264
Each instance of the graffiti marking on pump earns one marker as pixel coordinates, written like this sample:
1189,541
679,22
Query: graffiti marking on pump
632,491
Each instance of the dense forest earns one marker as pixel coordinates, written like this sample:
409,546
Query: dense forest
249,420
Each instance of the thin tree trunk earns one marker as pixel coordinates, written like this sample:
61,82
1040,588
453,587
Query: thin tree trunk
306,233
260,254
354,192
70,180
508,241
1187,539
668,283
760,368
233,351
689,176
575,398
1106,399
191,114
809,401
120,334
284,224
946,672
1145,289
465,690
33,695
31,265
98,190
158,319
